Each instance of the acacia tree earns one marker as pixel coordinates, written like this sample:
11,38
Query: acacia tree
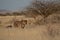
44,8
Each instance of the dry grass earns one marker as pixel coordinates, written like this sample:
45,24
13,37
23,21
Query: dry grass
43,23
30,32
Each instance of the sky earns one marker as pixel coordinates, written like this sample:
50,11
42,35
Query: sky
14,4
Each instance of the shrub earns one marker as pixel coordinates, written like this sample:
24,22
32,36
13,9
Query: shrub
44,8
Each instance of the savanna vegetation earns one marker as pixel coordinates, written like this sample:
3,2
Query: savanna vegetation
48,27
39,7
